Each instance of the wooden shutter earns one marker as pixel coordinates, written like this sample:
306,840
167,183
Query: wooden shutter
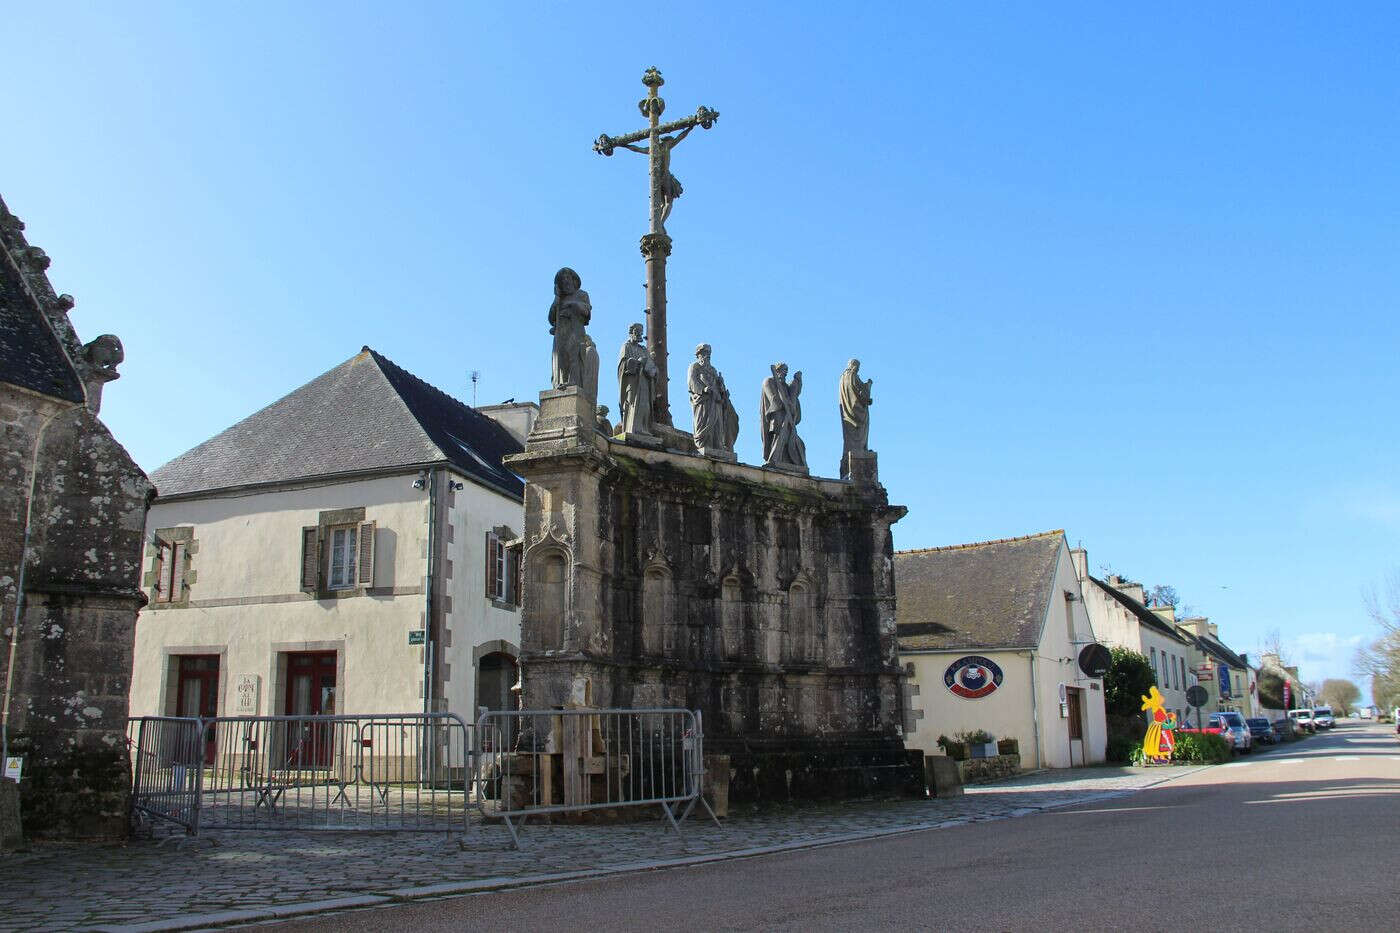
513,567
177,571
310,559
162,570
364,574
490,565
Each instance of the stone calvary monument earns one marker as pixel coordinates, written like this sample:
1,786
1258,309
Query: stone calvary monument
658,571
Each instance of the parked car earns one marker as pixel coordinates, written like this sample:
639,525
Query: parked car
1322,717
1232,726
1285,730
1303,719
1260,731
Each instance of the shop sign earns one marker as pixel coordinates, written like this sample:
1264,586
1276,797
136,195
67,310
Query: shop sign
972,677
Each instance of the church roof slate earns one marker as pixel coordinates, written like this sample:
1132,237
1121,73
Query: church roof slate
987,595
367,414
32,355
1146,616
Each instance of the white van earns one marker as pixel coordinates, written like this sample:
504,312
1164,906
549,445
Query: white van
1322,717
1302,718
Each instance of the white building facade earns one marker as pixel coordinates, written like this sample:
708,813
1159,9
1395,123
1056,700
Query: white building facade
992,634
1120,616
351,548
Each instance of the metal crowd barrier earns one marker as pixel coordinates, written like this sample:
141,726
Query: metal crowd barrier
165,767
570,761
409,771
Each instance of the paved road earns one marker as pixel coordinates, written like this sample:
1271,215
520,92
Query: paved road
1302,837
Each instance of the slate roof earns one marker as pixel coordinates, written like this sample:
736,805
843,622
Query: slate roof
1213,646
367,414
31,354
993,594
1146,616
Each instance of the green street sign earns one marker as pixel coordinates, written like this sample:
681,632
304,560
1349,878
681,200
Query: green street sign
417,637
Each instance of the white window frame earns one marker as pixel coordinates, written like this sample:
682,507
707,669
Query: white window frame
348,551
498,557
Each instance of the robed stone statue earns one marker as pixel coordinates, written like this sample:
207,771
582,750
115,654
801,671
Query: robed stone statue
575,358
636,379
716,421
781,412
855,414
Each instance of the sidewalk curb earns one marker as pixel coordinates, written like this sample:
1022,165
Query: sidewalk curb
401,895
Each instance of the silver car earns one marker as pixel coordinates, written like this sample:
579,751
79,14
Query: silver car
1233,726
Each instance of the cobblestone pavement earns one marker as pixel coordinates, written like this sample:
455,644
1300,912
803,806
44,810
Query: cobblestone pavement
185,884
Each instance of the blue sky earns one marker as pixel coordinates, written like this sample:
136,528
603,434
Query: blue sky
1127,272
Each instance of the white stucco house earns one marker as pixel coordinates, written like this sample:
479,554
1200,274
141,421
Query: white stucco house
992,633
1120,616
347,549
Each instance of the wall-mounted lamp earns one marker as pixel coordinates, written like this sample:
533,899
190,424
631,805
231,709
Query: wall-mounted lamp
422,481
453,484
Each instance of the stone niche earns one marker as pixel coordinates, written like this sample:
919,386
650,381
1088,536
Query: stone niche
765,600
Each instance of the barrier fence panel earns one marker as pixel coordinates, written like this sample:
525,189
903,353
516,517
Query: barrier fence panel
537,762
166,760
410,771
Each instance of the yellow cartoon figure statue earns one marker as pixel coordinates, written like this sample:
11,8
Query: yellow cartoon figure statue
1157,745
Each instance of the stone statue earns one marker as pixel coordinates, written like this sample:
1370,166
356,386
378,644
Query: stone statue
781,412
670,185
605,427
716,421
568,316
855,400
636,379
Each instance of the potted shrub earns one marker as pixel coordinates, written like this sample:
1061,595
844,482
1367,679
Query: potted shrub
1008,747
980,743
952,748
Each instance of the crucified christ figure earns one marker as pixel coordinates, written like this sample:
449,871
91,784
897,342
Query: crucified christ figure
670,185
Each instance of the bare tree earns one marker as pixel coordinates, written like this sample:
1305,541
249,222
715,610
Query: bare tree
1340,694
1380,660
1163,594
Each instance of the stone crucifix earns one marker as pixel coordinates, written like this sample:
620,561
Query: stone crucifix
656,245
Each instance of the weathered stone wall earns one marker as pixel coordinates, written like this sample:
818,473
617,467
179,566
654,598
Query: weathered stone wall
763,599
975,770
79,542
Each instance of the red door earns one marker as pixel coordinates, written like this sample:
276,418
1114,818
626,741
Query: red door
310,692
197,693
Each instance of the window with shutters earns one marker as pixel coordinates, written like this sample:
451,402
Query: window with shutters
502,570
337,554
169,577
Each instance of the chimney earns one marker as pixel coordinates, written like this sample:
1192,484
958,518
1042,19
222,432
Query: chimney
1081,563
516,417
1214,630
1200,625
1166,613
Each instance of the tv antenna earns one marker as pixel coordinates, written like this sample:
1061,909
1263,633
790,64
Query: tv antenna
476,377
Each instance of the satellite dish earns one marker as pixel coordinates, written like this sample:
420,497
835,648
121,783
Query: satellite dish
1196,696
1095,660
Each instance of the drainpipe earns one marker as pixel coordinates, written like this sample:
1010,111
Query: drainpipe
428,596
1035,712
19,586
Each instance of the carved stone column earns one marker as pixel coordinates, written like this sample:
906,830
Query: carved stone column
655,248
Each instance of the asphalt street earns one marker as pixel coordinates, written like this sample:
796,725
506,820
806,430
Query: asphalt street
1298,837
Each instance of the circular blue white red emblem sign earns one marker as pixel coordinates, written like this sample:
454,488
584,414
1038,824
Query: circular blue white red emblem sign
972,677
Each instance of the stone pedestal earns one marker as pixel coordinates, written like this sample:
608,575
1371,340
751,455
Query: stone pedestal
944,776
567,416
762,598
863,468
